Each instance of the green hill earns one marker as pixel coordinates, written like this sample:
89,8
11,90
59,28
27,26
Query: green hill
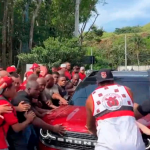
146,28
143,30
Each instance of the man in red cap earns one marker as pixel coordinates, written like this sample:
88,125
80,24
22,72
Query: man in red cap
36,69
11,69
7,91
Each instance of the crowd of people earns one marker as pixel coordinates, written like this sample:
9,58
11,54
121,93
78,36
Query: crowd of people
24,104
111,111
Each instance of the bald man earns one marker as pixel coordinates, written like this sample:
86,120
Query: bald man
52,91
67,72
32,77
46,102
68,66
75,81
20,140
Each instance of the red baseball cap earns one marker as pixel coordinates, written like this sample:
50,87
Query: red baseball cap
11,69
4,83
35,65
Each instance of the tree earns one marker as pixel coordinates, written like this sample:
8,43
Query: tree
4,33
97,32
134,29
54,52
138,45
35,13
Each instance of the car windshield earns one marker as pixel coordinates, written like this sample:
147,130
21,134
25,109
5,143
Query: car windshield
140,89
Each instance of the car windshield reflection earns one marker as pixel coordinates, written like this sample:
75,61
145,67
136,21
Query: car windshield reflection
140,89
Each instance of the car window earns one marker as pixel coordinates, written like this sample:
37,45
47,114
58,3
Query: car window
139,88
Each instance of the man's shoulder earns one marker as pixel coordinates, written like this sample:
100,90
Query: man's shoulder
21,96
55,86
43,93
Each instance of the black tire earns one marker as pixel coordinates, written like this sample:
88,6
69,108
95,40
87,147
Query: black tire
146,140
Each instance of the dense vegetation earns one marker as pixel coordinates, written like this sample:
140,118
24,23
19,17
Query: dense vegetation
25,24
42,31
134,29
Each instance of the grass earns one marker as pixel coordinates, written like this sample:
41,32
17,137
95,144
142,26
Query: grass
107,34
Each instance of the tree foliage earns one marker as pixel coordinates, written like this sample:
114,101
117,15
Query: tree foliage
54,52
134,29
111,52
27,23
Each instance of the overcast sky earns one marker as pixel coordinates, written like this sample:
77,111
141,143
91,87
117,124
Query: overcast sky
121,13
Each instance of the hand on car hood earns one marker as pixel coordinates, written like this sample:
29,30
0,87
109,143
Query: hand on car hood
72,117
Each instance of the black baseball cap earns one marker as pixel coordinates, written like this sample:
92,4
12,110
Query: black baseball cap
104,75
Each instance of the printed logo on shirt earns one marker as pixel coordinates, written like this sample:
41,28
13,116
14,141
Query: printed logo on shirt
103,75
112,101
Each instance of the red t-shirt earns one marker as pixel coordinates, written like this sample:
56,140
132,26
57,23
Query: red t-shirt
82,75
10,119
67,74
73,74
40,75
24,83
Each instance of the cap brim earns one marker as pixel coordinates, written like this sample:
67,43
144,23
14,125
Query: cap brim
110,79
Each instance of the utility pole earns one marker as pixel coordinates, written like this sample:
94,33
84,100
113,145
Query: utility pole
92,59
125,52
77,18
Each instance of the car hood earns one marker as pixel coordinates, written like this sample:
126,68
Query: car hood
72,117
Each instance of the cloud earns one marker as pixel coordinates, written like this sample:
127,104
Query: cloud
121,12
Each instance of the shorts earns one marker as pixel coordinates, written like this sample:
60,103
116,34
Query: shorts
119,134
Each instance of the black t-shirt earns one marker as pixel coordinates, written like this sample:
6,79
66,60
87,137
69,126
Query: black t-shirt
62,91
144,108
21,96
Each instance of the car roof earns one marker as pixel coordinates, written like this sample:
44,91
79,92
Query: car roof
138,75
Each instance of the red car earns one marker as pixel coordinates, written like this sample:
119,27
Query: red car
73,116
